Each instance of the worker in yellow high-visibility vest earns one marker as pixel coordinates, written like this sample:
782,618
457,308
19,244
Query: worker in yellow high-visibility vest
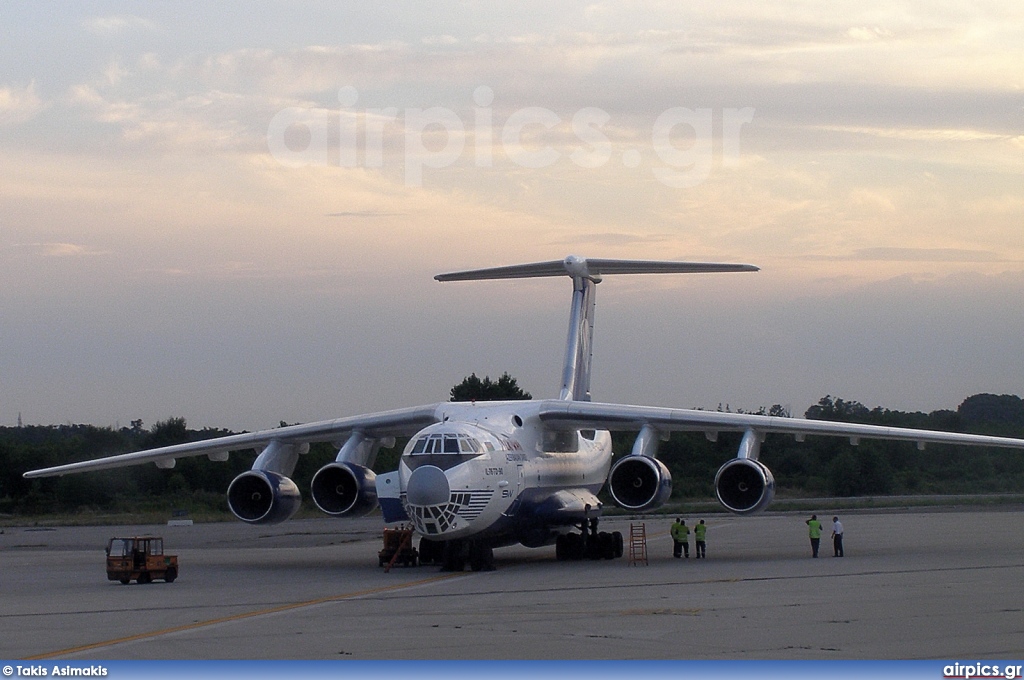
814,531
700,533
680,538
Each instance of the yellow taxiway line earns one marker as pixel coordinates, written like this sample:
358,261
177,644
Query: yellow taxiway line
237,617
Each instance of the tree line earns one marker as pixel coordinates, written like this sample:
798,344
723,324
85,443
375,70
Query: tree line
819,466
831,466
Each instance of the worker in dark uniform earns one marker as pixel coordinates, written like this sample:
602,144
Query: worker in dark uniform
837,537
814,531
700,533
680,538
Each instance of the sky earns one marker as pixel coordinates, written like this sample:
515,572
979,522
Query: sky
232,212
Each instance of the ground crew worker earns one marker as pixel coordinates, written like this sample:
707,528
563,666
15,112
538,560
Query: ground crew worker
837,537
699,533
680,538
814,531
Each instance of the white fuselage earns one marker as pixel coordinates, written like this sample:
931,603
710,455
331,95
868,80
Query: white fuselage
491,469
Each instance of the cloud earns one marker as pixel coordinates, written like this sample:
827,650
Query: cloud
919,134
115,24
869,33
867,71
886,254
614,239
62,250
168,120
364,213
18,105
440,40
926,255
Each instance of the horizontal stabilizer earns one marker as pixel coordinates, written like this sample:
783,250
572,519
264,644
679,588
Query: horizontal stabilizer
591,268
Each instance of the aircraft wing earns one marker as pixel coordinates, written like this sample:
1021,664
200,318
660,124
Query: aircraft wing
375,425
593,415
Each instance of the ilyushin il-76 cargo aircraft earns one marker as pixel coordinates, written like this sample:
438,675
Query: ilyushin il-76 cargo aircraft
476,476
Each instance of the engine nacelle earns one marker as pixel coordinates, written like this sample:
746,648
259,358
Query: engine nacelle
640,483
262,497
344,489
744,486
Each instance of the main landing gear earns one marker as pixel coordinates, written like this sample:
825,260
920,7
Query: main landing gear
589,543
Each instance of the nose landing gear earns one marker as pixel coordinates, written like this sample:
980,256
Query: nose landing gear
458,553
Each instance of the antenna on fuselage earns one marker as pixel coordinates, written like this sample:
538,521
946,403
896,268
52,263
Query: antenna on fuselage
586,274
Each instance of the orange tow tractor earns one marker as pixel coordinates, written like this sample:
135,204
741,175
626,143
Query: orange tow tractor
140,559
397,548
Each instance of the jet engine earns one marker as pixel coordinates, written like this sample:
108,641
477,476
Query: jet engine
344,489
640,483
744,486
263,497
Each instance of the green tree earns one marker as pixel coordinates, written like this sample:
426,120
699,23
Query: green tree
1004,411
473,388
167,433
860,472
843,475
828,408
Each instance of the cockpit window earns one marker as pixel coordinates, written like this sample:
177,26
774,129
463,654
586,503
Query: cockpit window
445,451
449,443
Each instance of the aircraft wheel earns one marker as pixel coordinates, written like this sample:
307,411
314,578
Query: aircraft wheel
573,546
454,558
561,550
481,558
596,546
606,545
617,541
429,551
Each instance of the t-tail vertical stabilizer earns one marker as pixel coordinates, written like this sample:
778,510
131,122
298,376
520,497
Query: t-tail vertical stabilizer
586,274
